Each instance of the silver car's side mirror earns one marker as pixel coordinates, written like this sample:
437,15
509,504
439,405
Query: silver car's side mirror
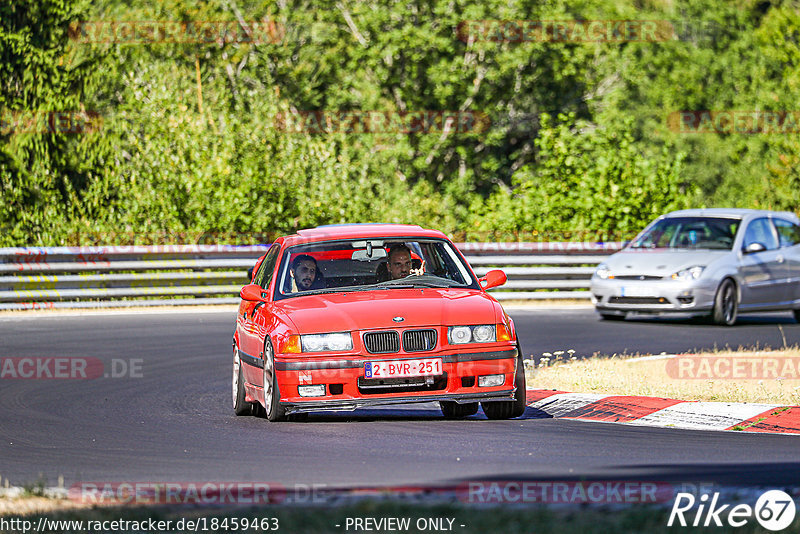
754,247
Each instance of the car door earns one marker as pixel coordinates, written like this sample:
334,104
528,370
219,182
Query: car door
789,241
762,271
251,334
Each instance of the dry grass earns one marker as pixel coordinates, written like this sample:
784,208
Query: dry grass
652,378
31,505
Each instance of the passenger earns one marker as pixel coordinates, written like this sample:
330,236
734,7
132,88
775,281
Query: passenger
305,274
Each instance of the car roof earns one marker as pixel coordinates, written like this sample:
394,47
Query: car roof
730,212
333,232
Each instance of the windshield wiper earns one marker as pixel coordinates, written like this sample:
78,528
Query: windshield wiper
414,282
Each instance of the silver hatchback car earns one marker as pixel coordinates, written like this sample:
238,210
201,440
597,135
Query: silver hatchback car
720,262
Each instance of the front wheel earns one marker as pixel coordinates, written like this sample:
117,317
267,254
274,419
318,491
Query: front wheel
726,304
612,317
454,410
515,408
240,405
273,410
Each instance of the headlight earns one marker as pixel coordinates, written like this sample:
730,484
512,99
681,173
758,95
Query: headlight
603,272
326,342
692,273
482,333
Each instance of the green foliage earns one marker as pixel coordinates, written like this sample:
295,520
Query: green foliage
43,174
588,181
190,144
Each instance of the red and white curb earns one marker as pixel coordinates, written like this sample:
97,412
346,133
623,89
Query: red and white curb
670,413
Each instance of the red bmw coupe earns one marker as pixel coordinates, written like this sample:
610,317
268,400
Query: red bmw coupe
348,316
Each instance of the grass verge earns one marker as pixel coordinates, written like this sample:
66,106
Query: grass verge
771,377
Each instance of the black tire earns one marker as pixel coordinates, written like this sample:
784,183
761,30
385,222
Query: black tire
454,410
240,405
612,317
273,411
797,315
726,304
515,408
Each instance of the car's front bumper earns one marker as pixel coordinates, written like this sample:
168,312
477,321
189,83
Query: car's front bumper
346,387
653,296
352,404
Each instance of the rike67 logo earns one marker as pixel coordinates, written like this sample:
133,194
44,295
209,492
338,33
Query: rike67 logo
774,510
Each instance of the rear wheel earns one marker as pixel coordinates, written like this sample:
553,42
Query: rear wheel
454,410
726,304
240,406
515,408
273,410
797,315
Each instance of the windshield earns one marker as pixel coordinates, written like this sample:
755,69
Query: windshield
690,233
364,265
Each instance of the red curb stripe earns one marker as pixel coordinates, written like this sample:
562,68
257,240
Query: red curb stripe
621,409
535,395
776,420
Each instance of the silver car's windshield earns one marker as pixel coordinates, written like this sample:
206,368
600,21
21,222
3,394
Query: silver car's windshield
716,233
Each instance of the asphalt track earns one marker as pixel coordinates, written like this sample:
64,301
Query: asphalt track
174,422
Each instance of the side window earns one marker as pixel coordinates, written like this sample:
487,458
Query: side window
788,233
760,231
265,272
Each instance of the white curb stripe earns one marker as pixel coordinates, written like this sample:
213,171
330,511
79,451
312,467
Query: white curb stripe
704,415
562,403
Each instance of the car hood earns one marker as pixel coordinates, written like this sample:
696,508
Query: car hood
659,262
365,310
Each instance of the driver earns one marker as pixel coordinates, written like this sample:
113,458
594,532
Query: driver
305,274
400,262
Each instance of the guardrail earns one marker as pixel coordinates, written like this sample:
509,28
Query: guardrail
123,276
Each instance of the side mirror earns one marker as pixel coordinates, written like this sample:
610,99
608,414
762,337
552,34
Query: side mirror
252,292
754,247
493,278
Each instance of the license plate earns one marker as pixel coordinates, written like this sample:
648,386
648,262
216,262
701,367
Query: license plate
634,291
403,368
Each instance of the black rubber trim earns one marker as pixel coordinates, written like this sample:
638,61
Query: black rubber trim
359,363
353,404
251,360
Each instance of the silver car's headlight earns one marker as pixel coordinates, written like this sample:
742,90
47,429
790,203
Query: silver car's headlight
602,271
483,333
326,342
692,273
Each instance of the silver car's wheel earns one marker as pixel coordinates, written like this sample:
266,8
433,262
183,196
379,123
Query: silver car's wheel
240,406
726,304
272,407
